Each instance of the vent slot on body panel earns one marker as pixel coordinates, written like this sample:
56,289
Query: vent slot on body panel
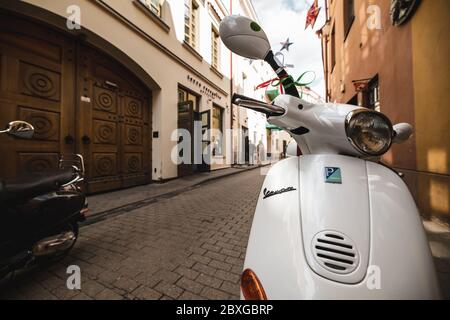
335,252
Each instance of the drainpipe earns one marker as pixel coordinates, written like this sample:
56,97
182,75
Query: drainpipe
324,42
231,96
325,52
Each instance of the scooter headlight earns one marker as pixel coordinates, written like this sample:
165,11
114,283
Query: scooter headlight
370,132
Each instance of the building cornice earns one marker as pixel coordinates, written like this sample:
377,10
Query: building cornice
217,72
221,6
192,50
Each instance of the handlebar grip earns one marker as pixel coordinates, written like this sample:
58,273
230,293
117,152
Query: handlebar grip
239,96
269,110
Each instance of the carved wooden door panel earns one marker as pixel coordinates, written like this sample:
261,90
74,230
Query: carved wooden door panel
135,136
114,133
36,85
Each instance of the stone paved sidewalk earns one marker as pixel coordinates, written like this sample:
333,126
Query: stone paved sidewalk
190,246
101,203
439,241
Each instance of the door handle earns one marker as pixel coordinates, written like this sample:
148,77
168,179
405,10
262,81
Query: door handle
86,139
69,139
111,84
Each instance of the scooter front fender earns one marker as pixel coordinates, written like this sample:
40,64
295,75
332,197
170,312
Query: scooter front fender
369,206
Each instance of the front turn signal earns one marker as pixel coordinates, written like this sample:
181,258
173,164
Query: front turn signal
251,287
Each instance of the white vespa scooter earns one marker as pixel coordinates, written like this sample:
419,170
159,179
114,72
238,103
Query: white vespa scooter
333,223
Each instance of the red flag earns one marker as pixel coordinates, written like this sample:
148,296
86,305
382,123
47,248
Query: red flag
312,15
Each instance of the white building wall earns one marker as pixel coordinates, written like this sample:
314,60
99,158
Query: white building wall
177,9
107,19
159,62
255,73
206,22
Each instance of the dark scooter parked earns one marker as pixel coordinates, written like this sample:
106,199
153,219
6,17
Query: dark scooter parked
39,213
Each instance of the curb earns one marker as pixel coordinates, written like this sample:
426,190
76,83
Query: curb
230,174
103,215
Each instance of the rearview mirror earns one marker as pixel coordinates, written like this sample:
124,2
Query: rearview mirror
244,37
403,131
20,129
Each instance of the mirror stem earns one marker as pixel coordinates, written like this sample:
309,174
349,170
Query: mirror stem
288,84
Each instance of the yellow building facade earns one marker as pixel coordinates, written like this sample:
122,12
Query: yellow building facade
403,70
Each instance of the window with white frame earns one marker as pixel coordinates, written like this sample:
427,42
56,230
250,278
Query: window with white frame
191,22
154,6
215,58
374,94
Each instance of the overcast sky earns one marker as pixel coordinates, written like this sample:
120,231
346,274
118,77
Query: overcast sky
281,19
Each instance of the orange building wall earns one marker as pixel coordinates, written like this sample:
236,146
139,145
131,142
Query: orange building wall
412,63
431,74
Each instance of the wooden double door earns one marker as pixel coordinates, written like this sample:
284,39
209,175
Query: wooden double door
79,100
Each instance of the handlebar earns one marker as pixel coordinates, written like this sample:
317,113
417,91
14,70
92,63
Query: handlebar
77,164
269,110
288,83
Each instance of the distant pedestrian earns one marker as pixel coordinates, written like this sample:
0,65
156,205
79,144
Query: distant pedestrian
260,151
252,153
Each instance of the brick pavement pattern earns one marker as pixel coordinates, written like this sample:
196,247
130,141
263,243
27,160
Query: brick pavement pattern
191,246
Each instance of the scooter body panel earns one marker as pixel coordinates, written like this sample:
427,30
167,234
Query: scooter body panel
371,209
335,216
325,124
23,224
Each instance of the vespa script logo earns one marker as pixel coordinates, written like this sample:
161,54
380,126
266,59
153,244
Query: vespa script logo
268,193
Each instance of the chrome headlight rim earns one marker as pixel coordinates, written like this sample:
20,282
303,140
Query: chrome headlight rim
356,112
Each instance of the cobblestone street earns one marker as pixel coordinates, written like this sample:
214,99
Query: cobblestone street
190,246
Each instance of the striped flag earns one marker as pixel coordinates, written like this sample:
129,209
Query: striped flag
312,15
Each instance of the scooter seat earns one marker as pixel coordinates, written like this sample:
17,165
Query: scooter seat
27,187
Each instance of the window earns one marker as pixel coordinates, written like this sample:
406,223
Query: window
374,94
155,6
215,48
190,22
184,96
217,125
370,96
333,48
349,16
